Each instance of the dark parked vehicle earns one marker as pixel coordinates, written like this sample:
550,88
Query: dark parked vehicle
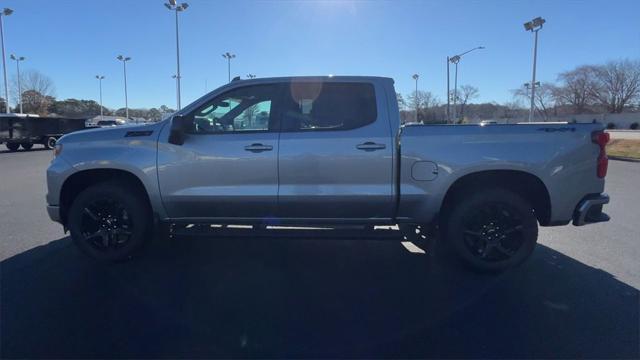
26,130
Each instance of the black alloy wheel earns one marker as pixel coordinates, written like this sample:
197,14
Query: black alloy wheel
106,225
110,221
491,229
494,232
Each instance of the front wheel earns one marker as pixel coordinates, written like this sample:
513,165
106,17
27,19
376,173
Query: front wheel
109,221
26,146
492,230
12,146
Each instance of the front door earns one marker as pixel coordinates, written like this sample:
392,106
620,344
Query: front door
228,164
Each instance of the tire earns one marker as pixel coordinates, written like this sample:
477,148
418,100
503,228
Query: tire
26,146
109,221
491,230
12,146
50,142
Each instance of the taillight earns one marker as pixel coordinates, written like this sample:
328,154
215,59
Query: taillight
601,138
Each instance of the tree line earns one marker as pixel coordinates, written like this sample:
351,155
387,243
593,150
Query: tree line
38,97
613,87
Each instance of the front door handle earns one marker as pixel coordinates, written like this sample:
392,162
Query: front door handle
258,148
370,146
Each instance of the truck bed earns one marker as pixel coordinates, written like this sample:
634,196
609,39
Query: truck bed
562,155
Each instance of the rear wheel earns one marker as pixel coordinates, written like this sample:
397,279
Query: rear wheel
492,230
110,222
50,142
26,146
12,146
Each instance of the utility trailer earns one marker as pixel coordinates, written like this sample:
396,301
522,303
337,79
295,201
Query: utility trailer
24,131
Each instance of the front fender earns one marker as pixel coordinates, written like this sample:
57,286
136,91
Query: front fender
135,155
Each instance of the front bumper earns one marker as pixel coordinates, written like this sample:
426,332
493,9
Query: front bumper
589,210
54,213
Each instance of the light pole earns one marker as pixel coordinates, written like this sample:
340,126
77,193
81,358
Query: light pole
18,59
171,5
5,12
251,76
528,87
177,78
228,56
100,77
448,94
534,26
456,59
126,100
415,96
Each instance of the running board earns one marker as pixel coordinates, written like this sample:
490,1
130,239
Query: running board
343,232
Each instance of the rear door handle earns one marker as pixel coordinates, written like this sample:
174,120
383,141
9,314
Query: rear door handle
258,148
370,146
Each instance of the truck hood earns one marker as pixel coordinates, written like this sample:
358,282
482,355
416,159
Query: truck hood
112,133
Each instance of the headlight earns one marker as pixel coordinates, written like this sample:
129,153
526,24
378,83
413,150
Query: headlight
57,150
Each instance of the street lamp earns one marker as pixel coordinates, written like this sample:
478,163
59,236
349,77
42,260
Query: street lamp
126,100
171,5
228,56
534,26
528,86
415,96
251,76
18,59
5,12
100,77
455,59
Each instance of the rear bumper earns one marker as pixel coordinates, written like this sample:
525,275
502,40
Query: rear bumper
589,210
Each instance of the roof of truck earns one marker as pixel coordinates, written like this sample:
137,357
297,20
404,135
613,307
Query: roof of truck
315,78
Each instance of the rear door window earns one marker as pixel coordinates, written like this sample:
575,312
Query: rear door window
318,106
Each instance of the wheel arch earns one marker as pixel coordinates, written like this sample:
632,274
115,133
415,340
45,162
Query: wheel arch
527,185
81,180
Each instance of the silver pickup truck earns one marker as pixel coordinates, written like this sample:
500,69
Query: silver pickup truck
327,150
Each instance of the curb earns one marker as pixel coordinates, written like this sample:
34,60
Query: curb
621,158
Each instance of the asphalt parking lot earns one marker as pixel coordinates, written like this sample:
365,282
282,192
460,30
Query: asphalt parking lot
325,296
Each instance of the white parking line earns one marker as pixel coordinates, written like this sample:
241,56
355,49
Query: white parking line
411,247
240,226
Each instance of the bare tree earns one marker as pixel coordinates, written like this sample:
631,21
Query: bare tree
576,88
423,101
466,93
544,99
617,84
36,85
512,109
401,103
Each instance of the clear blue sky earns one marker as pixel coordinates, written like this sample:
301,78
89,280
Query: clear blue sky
73,40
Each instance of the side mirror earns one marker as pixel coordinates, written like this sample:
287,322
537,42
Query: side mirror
178,126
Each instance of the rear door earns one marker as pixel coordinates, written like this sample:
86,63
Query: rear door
336,148
228,164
